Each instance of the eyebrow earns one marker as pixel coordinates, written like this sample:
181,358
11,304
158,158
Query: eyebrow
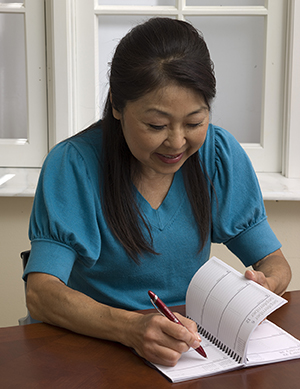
203,108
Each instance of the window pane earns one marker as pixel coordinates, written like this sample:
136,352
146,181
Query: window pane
137,2
225,2
236,45
13,101
11,1
110,31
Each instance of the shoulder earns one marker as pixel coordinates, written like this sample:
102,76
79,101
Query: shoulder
221,150
219,141
83,147
85,142
73,160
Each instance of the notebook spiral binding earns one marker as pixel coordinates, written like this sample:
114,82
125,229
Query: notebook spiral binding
211,338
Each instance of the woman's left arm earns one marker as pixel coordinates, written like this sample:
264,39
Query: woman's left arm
273,272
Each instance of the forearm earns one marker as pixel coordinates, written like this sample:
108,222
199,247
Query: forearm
56,304
152,336
276,271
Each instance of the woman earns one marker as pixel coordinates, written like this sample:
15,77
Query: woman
134,202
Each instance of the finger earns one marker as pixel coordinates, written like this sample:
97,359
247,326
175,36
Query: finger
162,345
161,331
163,355
257,277
250,275
192,328
152,343
188,323
181,338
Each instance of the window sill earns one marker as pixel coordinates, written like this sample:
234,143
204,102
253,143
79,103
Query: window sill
275,186
22,183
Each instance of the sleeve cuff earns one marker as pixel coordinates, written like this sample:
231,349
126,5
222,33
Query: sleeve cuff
254,244
52,258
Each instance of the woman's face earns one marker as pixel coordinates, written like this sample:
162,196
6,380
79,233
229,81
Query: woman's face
164,128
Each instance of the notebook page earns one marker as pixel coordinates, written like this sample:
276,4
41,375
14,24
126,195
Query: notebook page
191,365
270,343
227,307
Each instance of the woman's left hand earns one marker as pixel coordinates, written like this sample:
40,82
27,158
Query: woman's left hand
273,272
259,277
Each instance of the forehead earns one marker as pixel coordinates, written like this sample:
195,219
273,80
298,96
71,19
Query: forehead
167,98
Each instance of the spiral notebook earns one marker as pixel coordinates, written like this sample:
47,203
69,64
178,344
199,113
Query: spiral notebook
229,311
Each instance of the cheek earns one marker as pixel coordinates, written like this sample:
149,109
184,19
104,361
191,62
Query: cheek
141,145
198,139
147,143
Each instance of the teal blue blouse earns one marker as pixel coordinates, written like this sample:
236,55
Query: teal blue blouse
71,240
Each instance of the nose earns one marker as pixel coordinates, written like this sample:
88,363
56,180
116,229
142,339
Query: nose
176,139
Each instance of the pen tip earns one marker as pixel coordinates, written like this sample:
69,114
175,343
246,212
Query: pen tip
201,351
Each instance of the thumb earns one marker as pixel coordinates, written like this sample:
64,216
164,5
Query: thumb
258,277
251,275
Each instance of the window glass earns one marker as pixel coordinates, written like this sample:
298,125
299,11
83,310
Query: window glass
137,2
10,1
237,50
110,30
225,2
13,96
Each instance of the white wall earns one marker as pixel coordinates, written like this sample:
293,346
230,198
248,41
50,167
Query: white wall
14,216
284,218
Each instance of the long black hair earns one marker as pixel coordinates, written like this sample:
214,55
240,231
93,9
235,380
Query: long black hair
152,55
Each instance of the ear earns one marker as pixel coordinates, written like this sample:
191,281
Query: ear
115,112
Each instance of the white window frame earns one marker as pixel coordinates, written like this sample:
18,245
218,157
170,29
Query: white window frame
30,152
266,156
291,155
71,67
72,29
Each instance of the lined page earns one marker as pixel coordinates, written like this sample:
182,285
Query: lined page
191,365
270,343
227,306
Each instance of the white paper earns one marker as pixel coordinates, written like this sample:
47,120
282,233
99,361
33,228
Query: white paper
232,310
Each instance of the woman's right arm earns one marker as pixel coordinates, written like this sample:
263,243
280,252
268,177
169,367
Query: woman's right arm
152,336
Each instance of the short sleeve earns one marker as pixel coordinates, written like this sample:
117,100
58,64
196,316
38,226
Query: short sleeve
238,213
63,224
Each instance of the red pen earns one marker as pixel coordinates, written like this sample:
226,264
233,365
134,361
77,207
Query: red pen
165,311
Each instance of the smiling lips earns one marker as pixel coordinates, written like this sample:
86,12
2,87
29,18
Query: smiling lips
167,158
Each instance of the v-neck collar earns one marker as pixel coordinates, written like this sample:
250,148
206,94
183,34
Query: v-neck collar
159,218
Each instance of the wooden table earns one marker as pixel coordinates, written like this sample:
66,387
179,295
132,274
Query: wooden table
43,356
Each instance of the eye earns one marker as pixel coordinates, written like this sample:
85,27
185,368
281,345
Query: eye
156,127
194,125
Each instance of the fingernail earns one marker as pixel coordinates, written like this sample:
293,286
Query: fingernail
196,344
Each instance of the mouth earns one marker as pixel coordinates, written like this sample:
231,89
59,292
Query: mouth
170,158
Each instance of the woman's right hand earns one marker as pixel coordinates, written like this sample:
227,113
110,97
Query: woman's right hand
161,341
